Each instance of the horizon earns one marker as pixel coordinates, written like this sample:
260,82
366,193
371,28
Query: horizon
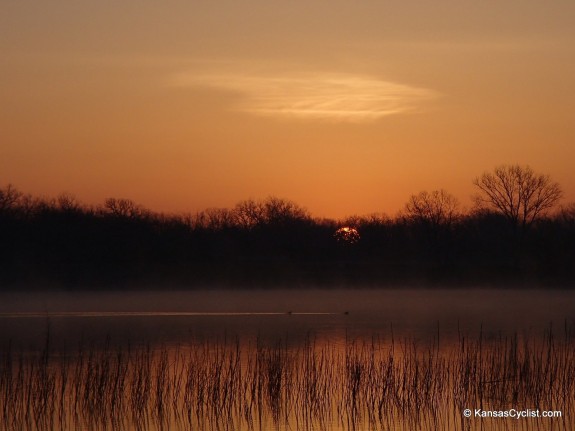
460,208
347,109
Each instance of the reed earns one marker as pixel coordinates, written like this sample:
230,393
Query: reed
208,385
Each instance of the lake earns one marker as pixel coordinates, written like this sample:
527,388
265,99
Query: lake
337,359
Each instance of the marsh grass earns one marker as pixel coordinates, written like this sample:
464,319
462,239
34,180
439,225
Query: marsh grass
215,385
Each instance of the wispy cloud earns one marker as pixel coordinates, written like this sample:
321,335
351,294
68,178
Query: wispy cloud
340,97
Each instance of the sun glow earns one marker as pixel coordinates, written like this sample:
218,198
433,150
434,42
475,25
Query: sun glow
347,235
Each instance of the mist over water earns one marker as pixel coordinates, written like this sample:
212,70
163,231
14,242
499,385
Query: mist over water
174,317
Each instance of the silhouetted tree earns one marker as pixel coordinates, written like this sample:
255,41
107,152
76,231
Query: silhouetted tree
9,197
125,208
271,211
283,212
431,216
567,215
215,219
249,213
437,208
60,242
68,203
518,193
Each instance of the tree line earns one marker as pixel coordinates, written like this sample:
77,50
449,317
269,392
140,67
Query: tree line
516,234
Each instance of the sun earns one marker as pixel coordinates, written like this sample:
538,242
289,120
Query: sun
347,235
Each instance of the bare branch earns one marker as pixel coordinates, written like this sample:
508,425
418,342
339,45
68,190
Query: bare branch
437,208
518,193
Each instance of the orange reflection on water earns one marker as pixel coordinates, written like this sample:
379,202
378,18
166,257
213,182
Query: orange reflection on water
228,384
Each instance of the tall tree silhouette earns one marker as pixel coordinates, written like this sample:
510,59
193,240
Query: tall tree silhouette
518,193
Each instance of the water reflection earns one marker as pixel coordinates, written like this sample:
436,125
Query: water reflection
409,361
226,385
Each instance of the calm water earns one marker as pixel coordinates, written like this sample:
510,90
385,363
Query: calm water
313,359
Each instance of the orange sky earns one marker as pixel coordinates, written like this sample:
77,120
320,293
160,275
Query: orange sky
344,107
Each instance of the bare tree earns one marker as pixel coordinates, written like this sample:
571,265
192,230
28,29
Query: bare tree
518,193
67,202
125,208
282,211
9,197
215,219
270,211
437,208
567,215
249,213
